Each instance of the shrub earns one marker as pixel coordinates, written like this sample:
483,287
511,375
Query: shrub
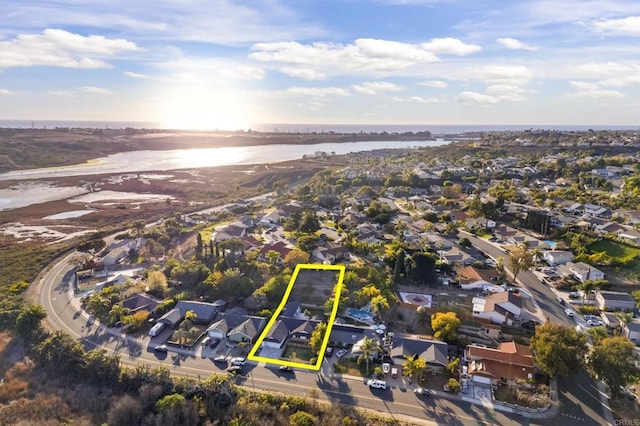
302,418
589,310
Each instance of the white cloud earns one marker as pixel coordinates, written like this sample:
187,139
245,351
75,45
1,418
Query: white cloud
629,26
375,87
317,91
515,44
503,74
62,93
59,48
436,84
604,69
417,100
588,90
6,92
244,72
96,90
621,81
365,56
478,98
303,73
450,46
135,74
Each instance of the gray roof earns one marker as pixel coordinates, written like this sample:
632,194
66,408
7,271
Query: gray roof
432,351
172,317
290,309
633,326
278,332
139,301
349,334
249,327
203,310
617,296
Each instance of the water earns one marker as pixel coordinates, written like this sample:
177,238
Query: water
141,161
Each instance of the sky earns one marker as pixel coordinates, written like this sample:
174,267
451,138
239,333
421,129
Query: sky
224,64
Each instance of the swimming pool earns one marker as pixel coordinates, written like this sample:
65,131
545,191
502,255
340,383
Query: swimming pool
550,243
359,314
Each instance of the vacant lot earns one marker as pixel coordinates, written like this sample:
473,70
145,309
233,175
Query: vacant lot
314,287
620,253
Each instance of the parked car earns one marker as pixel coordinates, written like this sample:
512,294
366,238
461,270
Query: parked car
214,343
341,353
205,341
235,369
161,348
465,386
238,360
377,384
594,323
328,352
220,358
285,369
386,367
422,392
569,313
156,329
574,295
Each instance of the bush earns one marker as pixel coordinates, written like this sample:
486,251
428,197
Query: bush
589,310
302,418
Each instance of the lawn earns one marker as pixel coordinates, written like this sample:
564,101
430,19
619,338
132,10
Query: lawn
301,354
621,253
351,367
457,304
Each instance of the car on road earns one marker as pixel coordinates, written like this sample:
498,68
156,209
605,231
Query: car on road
161,348
285,369
220,358
560,300
238,360
594,323
377,384
205,341
422,392
341,353
493,239
569,313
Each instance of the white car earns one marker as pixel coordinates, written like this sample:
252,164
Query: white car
238,361
386,367
594,323
569,313
341,353
378,384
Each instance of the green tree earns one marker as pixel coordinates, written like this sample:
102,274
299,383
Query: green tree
302,418
522,259
29,321
368,347
445,326
611,360
557,350
317,336
170,401
413,367
453,367
380,306
117,312
454,385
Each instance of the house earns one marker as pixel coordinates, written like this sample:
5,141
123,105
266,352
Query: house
241,326
562,221
140,302
471,278
277,336
501,308
631,331
246,331
205,312
557,257
171,318
345,335
119,250
332,254
279,247
433,352
581,271
229,232
611,320
507,364
491,330
615,300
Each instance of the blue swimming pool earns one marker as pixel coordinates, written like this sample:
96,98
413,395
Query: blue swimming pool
550,243
359,314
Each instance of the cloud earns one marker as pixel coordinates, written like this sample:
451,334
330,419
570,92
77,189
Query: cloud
450,46
621,81
417,100
588,90
304,73
96,90
135,74
503,74
62,93
364,55
603,69
515,44
375,87
317,91
629,26
478,98
60,48
436,84
6,92
243,72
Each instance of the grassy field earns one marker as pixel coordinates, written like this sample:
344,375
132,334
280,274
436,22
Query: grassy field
621,253
457,304
301,354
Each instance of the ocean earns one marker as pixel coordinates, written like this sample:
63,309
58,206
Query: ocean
436,129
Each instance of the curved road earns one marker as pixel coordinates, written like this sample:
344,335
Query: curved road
399,403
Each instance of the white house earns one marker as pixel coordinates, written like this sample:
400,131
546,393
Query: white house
582,272
500,308
478,279
557,257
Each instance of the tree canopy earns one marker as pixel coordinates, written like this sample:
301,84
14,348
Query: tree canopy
445,326
558,350
612,361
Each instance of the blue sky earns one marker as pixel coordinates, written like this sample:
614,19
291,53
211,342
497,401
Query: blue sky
231,64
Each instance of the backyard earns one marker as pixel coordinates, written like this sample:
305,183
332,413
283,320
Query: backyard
297,353
461,305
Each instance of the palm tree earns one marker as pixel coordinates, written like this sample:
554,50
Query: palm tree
413,367
117,312
368,347
586,287
380,306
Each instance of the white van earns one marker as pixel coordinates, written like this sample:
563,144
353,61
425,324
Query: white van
156,329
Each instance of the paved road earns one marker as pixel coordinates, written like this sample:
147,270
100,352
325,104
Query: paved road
397,402
579,396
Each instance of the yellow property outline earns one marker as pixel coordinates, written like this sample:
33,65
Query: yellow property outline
338,287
